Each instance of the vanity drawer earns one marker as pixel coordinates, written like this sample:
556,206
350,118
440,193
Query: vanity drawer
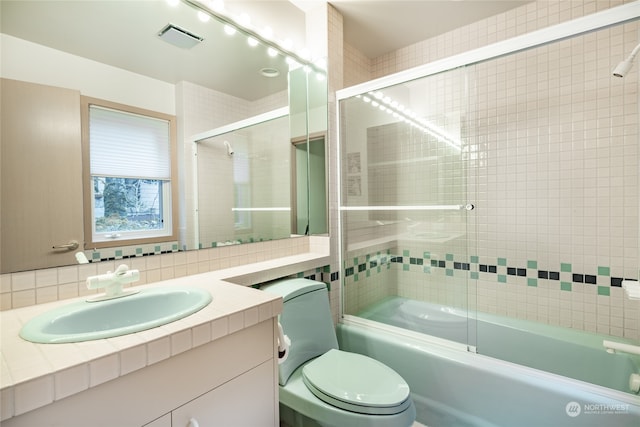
245,401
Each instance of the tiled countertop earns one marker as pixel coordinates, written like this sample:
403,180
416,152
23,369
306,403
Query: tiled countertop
34,375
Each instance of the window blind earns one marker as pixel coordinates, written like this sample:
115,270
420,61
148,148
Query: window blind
128,145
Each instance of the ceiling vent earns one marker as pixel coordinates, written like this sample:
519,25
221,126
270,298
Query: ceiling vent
179,37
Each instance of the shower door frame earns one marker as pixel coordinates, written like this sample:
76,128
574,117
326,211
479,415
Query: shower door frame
607,18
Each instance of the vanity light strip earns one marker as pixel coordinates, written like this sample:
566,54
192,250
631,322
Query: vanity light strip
254,35
389,106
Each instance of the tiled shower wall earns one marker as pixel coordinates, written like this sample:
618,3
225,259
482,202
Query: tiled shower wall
554,167
552,158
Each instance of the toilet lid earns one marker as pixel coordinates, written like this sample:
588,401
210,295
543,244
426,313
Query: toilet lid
356,383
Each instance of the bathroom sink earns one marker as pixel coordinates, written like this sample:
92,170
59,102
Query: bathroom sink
85,321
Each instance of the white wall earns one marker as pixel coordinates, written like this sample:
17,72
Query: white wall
31,62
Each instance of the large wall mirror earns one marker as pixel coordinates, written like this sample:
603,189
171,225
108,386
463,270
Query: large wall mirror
55,53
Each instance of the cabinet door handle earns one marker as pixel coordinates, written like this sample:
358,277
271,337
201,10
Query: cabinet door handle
193,423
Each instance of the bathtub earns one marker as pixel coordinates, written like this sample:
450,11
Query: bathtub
567,352
455,387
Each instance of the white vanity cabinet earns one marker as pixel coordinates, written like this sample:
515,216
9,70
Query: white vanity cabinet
229,382
164,421
242,402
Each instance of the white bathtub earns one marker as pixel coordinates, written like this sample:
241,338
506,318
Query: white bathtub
455,387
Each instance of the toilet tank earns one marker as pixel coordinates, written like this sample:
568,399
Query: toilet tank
306,320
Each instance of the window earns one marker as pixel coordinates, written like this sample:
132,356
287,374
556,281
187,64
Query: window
129,175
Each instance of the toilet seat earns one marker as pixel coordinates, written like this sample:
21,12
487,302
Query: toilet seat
356,383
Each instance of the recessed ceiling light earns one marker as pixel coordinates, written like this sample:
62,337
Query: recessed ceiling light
270,72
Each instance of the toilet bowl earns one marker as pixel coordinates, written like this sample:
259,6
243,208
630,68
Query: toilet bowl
333,388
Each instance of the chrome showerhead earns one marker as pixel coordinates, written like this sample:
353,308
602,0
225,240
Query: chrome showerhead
229,149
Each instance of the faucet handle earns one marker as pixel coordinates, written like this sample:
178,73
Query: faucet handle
100,281
112,282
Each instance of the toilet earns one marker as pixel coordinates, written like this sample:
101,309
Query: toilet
324,386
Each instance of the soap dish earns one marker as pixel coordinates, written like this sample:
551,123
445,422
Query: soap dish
631,289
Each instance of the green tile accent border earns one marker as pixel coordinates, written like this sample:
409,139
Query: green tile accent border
124,253
532,272
604,271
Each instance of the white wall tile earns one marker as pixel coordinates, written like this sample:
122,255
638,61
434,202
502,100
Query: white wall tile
132,359
158,350
181,342
104,369
71,381
33,394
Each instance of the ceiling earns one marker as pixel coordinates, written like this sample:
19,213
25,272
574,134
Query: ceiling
124,34
376,27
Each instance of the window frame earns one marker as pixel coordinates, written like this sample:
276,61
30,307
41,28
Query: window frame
135,238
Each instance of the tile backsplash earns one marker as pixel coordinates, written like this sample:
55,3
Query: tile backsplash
40,286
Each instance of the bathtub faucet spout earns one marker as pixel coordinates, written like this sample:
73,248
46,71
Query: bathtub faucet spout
613,346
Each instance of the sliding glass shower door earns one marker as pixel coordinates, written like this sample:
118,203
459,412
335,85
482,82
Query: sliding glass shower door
543,140
405,207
